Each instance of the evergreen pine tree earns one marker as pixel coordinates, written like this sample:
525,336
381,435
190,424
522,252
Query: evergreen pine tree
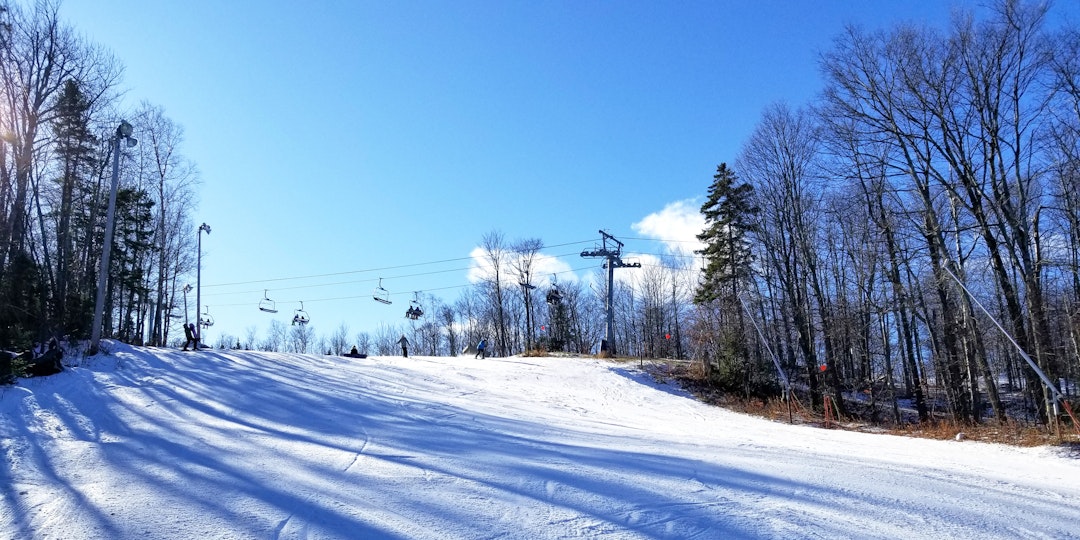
75,145
729,217
133,248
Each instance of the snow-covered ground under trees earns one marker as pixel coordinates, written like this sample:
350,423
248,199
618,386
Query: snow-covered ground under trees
158,443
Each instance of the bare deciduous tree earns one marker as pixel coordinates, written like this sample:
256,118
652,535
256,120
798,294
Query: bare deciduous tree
339,341
495,255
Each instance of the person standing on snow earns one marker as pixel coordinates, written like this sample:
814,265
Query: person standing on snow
192,337
480,348
404,346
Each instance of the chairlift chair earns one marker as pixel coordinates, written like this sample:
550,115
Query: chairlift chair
266,304
205,320
553,295
414,312
380,294
300,316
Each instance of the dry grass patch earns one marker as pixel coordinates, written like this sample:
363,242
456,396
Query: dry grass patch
1012,433
691,377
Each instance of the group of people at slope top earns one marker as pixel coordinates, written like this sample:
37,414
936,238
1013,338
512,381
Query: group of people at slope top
192,335
481,347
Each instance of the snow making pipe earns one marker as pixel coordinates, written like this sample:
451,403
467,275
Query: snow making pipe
1024,355
1058,397
776,361
789,394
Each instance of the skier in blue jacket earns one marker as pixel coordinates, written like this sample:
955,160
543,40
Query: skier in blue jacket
480,348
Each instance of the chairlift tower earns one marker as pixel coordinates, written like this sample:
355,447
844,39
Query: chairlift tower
526,293
613,255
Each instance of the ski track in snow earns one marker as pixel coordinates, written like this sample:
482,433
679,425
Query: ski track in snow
157,443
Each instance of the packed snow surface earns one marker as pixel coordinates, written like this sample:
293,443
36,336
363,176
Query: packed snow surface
157,443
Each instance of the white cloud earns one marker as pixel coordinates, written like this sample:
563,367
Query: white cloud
632,276
479,268
546,265
677,226
542,269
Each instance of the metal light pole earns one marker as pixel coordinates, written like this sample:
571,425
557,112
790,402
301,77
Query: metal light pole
123,131
187,289
198,276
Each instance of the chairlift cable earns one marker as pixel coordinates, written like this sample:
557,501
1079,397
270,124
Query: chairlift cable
347,272
364,280
392,294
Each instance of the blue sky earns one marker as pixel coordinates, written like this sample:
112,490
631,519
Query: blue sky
334,138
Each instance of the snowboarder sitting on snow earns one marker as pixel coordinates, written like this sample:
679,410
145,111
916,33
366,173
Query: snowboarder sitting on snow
48,362
480,348
192,337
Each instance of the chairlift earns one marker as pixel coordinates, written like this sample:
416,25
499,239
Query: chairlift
414,312
205,320
523,280
553,294
300,316
266,304
380,294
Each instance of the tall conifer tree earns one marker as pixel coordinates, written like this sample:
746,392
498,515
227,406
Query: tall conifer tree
75,144
729,217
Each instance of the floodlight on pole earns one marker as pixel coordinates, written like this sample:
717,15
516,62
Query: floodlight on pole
123,132
187,289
